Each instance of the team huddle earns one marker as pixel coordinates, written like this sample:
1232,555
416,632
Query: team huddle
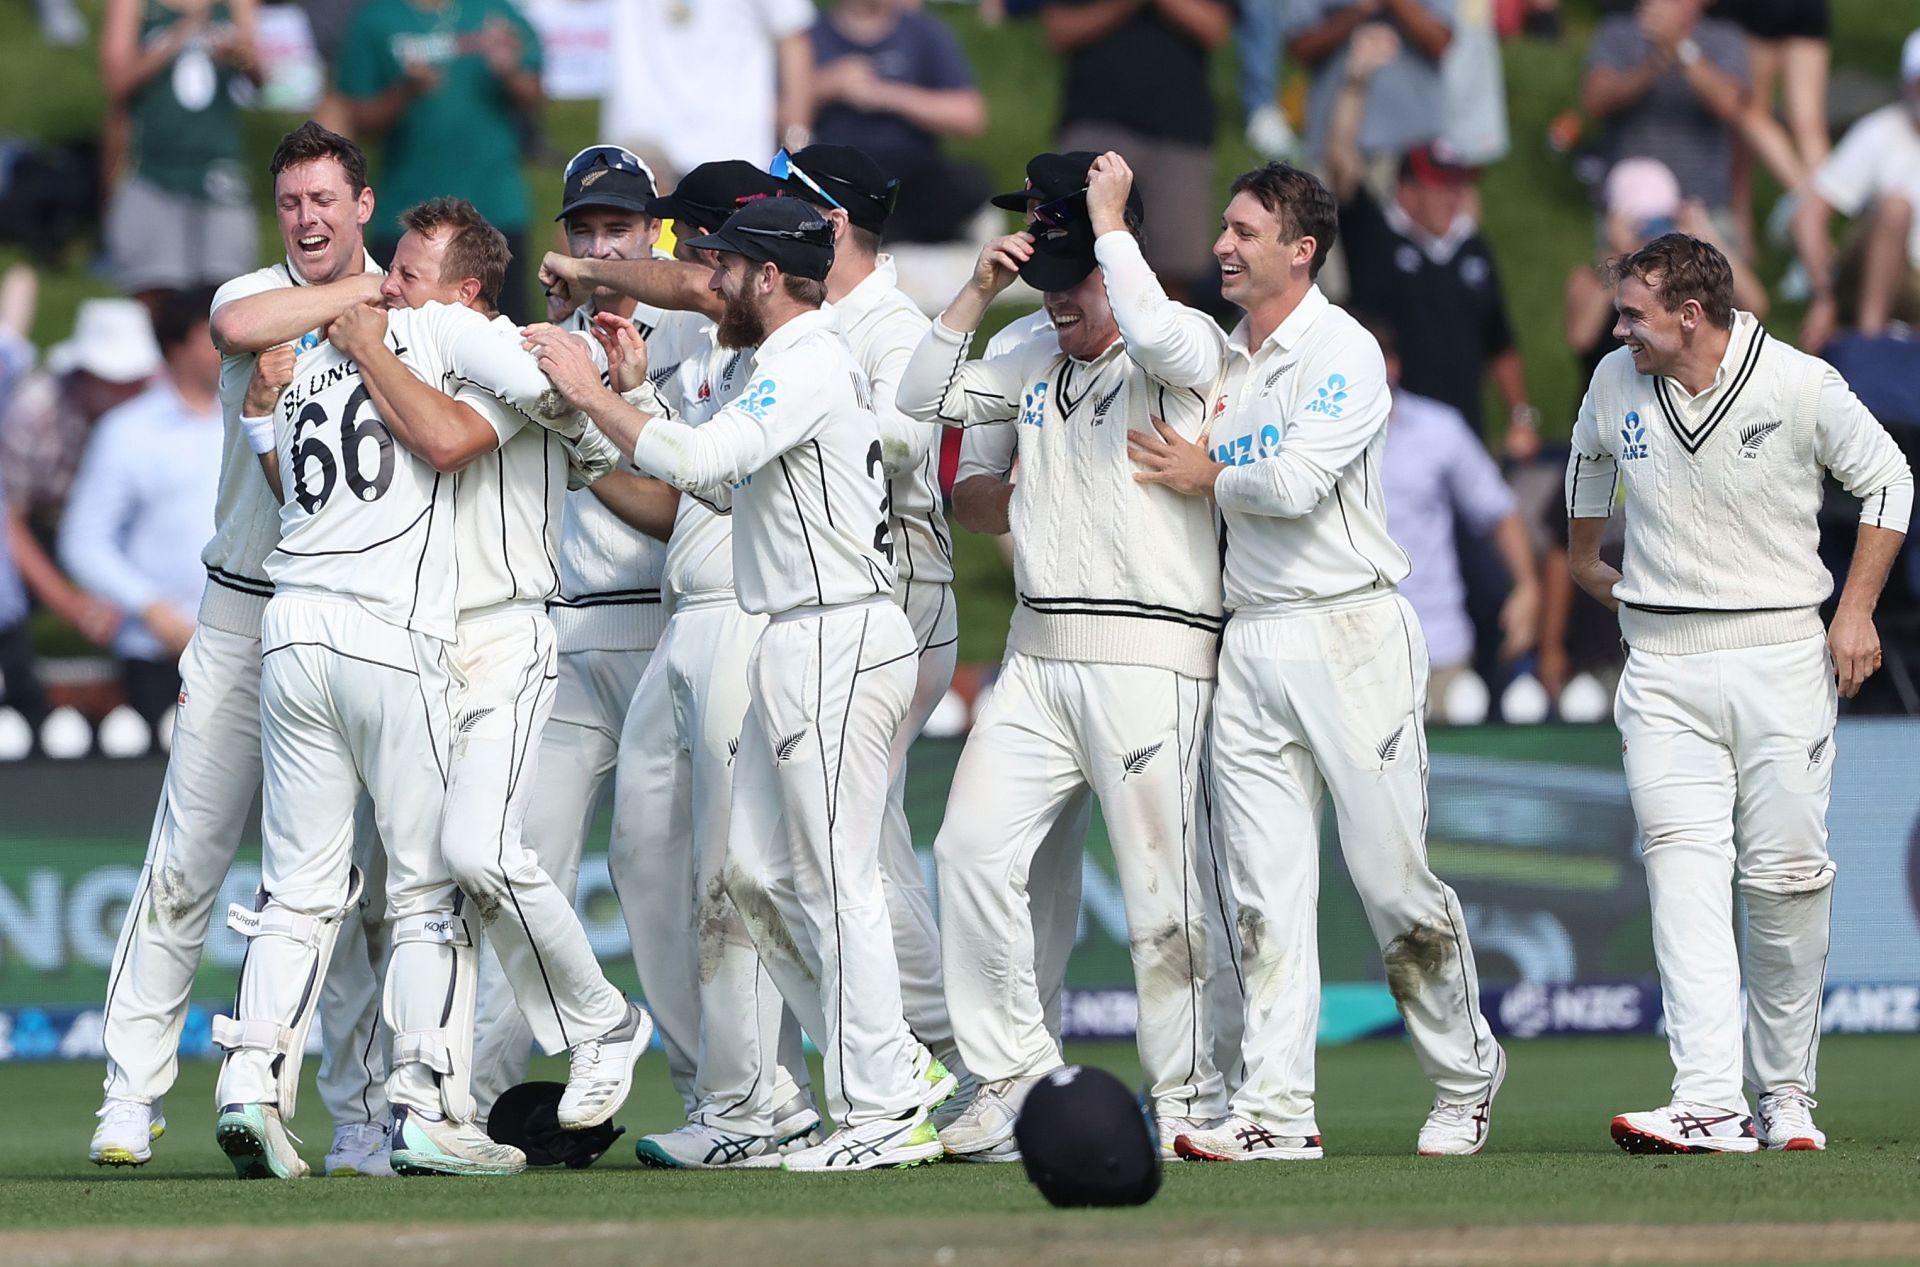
684,546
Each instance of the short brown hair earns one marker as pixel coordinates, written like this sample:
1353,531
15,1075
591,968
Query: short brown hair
1304,206
806,290
309,143
474,248
1678,267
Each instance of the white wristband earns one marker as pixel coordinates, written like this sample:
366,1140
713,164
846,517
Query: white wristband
259,433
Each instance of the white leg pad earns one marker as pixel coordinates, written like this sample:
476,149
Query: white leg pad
431,983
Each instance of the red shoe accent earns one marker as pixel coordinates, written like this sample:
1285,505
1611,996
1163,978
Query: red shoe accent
1183,1147
1801,1145
1643,1144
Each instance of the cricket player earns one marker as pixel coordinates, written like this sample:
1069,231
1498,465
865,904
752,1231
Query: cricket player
1323,677
1110,663
1726,707
798,457
213,766
607,615
882,328
732,1050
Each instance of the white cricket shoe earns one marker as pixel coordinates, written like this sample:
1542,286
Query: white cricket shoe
360,1149
258,1143
1686,1128
697,1146
424,1145
939,1083
126,1133
600,1072
956,1104
908,1140
1238,1138
999,1154
1170,1129
796,1124
987,1123
1461,1129
1786,1122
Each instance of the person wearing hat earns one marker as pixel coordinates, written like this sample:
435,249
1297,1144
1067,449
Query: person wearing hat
882,327
720,1015
1873,178
832,675
104,363
1110,661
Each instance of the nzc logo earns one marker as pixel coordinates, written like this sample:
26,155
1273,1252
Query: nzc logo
1633,438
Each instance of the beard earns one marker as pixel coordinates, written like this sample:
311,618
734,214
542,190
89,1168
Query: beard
742,324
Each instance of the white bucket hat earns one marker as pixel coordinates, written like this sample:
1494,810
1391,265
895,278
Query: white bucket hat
112,340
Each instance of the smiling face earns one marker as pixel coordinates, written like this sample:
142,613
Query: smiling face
1257,259
610,233
414,277
1082,318
1656,337
745,286
321,219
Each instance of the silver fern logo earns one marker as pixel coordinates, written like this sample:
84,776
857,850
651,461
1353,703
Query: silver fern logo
1105,403
1755,435
659,377
784,750
474,718
1389,747
1818,753
1140,758
733,749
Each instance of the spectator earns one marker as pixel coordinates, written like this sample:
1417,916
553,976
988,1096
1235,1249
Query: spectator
1474,83
1258,43
19,295
61,24
1874,179
1405,103
891,81
1137,84
19,684
445,82
45,431
1420,263
1787,45
666,103
1642,202
142,505
180,214
1670,83
1435,476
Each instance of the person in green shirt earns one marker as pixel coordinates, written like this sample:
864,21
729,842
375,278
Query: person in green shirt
444,85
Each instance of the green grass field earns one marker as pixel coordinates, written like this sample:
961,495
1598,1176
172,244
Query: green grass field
1550,1172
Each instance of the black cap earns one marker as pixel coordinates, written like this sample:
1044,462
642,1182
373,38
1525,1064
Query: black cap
711,192
845,176
1063,241
785,231
1084,1140
607,176
526,1117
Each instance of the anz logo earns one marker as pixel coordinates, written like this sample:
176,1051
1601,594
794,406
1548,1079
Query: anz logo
1033,405
1245,451
1633,438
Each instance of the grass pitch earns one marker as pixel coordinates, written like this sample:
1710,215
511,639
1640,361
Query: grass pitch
1551,1187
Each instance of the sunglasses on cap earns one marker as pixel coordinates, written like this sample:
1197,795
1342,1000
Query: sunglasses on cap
619,158
1061,211
783,167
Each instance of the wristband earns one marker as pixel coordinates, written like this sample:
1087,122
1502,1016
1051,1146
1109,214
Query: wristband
1687,51
259,433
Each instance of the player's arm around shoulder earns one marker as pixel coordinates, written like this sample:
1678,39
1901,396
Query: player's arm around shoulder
786,401
444,432
940,385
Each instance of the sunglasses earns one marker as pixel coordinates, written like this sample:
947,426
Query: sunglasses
617,157
1061,211
784,235
783,168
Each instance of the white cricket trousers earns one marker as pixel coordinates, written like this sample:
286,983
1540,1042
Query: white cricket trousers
829,692
348,703
578,752
1049,730
504,670
1729,760
719,1013
212,783
1330,700
916,932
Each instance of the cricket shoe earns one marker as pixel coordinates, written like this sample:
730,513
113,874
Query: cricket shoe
126,1133
999,1154
361,1148
1170,1129
938,1084
258,1143
1461,1129
1686,1128
424,1145
908,1140
600,1072
1786,1122
956,1104
987,1122
1243,1139
796,1124
697,1146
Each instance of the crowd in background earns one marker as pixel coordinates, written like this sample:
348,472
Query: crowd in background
110,440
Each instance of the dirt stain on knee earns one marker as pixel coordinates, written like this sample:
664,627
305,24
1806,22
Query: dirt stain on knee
172,899
717,925
487,908
1168,956
1252,927
1415,958
763,920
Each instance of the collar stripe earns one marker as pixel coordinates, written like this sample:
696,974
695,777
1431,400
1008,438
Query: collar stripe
1692,440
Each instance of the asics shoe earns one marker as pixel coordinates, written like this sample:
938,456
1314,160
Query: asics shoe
1786,1122
258,1143
1238,1138
1686,1128
697,1146
1461,1129
908,1140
